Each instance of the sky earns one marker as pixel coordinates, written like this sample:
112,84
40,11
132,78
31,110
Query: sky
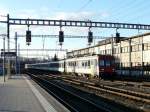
128,11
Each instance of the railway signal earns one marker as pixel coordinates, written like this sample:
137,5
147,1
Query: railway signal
28,37
117,37
90,37
61,37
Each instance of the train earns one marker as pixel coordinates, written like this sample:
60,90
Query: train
102,66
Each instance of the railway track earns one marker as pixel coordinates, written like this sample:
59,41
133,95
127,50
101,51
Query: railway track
142,97
69,95
124,84
77,101
131,95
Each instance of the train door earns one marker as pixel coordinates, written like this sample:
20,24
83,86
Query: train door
94,67
64,67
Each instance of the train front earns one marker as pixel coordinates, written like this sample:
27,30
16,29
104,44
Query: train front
106,66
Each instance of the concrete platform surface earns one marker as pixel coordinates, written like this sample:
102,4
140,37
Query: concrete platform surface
21,94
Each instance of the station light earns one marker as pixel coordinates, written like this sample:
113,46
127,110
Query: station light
61,36
90,37
28,36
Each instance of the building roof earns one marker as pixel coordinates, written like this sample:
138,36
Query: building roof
109,39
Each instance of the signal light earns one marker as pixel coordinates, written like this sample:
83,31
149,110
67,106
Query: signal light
28,36
90,37
117,34
117,37
61,36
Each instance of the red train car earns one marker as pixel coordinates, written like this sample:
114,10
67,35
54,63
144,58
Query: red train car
107,66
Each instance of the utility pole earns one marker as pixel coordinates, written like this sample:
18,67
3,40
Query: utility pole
112,46
16,52
4,58
142,63
120,59
8,37
18,59
130,64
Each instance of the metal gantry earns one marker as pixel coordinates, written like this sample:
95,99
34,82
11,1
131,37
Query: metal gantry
66,36
71,23
68,23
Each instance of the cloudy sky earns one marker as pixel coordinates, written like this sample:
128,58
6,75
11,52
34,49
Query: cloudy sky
129,11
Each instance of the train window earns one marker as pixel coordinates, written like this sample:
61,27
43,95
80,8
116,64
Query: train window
88,63
82,64
101,63
85,64
107,62
75,64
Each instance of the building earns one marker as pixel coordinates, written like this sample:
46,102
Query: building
131,53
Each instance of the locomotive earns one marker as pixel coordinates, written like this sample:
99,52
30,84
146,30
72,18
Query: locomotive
101,66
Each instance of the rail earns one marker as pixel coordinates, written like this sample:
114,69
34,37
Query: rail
69,94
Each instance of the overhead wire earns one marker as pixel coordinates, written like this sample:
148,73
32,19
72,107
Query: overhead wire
84,5
124,9
140,15
119,5
115,6
129,11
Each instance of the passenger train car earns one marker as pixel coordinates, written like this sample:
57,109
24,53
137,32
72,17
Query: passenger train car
91,66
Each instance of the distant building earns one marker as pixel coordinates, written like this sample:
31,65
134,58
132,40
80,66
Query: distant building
132,54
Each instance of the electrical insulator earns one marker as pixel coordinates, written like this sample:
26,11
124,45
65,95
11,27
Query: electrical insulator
117,37
28,36
61,36
90,37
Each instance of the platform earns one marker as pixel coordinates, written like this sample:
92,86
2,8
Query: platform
21,94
